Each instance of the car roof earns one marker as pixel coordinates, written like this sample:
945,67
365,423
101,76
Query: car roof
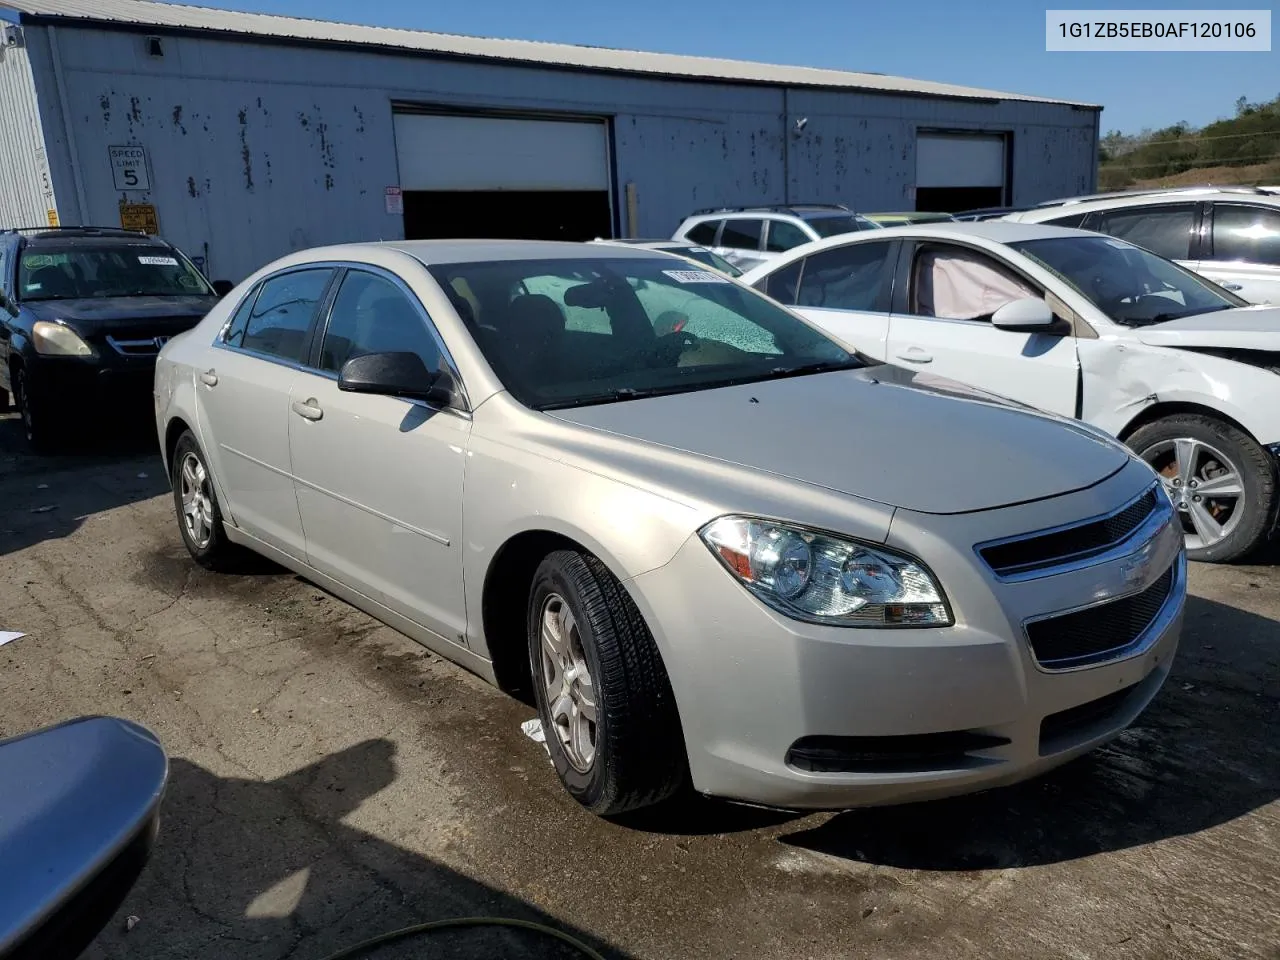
474,251
1119,201
97,238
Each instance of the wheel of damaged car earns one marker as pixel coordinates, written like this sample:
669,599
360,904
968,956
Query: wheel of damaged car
1221,482
196,504
603,694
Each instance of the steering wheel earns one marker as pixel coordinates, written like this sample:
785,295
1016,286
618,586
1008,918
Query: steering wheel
669,346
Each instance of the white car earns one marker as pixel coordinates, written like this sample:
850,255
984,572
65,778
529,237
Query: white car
1231,236
1078,324
749,236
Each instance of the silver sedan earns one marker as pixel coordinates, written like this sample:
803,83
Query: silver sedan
719,549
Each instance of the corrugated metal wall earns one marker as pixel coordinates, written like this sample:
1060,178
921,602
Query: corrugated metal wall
260,149
26,193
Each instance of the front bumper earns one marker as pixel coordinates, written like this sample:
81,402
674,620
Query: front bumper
71,386
754,687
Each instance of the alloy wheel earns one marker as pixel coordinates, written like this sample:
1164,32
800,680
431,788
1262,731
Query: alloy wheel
1206,488
197,501
571,693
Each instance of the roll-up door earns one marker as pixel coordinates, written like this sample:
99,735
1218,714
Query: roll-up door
956,171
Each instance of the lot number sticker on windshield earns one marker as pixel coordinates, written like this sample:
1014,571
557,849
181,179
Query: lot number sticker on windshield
694,276
158,261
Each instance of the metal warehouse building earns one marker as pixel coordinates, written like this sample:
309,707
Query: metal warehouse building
244,136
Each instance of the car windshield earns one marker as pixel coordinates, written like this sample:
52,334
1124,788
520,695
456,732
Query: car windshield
710,258
562,333
73,271
834,226
1130,285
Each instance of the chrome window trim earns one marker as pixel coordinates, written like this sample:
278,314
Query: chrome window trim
1161,514
1161,622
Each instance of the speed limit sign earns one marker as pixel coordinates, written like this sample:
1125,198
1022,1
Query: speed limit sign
129,168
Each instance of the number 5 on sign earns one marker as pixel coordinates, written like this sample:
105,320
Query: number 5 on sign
129,168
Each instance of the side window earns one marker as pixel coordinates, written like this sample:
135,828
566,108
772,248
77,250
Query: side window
783,236
373,315
1165,231
1076,220
851,277
956,283
281,316
704,233
782,284
741,234
233,335
1246,233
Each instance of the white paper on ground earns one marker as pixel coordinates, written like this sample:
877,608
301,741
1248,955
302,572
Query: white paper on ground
8,636
533,730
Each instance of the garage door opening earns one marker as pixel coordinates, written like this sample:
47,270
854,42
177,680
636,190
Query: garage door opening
507,214
504,177
957,172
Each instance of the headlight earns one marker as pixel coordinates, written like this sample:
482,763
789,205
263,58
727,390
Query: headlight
824,579
55,340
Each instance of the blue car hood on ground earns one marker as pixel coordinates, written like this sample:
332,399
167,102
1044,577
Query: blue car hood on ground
881,433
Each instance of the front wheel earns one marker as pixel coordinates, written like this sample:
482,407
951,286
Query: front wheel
603,693
1220,480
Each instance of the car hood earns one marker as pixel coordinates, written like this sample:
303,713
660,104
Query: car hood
882,433
105,314
1242,328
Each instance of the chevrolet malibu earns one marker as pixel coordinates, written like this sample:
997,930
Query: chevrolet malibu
716,547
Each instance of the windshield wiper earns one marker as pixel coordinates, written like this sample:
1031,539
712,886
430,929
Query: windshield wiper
817,366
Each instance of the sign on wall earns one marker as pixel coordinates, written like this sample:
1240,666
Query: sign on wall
139,216
129,168
395,201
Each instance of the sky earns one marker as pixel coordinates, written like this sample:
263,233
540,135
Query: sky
996,44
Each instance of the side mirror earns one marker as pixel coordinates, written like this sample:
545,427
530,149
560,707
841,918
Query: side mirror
79,811
223,287
400,374
1025,316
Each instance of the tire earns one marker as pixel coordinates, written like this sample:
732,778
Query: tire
44,434
205,538
6,402
638,758
1214,449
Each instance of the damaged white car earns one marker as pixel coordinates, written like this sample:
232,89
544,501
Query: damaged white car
1185,372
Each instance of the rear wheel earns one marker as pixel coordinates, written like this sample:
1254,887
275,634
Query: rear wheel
1221,481
196,504
603,694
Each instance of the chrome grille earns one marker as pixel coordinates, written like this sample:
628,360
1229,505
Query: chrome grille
1041,551
1100,632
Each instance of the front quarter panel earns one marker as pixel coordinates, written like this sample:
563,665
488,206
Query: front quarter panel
1123,378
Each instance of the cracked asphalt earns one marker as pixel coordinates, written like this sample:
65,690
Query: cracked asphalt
331,780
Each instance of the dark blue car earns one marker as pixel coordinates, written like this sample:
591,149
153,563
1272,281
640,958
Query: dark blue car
83,313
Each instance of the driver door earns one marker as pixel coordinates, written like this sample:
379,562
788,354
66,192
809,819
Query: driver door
941,324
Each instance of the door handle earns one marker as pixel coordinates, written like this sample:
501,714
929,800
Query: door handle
209,378
915,355
308,409
1233,286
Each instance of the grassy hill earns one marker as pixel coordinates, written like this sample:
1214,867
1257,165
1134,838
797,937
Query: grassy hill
1244,149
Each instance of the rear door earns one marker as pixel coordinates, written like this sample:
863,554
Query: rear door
243,403
941,324
1242,250
846,291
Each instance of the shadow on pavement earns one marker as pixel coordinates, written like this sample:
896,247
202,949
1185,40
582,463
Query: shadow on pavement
1199,757
259,871
48,497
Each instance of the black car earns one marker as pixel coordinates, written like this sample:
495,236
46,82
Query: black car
83,313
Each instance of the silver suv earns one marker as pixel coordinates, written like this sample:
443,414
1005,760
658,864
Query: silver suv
1230,235
750,236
